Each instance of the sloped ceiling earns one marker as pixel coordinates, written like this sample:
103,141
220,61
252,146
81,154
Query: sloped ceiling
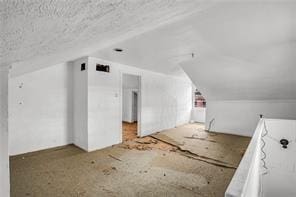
251,52
234,50
43,32
231,50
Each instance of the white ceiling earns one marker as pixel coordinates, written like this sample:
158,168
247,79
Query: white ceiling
244,50
45,32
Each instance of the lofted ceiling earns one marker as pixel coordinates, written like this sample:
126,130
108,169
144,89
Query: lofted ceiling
44,32
231,51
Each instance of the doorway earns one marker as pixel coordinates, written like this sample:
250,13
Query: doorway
130,106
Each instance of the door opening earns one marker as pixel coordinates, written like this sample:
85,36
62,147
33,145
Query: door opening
130,106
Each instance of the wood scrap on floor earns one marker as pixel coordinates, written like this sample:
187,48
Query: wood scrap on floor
146,143
192,155
218,148
115,158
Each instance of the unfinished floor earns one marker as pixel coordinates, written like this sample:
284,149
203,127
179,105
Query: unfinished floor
185,161
129,131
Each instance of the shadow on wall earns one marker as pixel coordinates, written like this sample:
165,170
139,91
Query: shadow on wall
241,117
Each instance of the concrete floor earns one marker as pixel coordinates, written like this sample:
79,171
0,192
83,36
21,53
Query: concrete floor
171,163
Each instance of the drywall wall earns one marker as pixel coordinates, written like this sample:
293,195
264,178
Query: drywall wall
4,158
127,105
130,84
199,114
241,117
80,96
165,101
40,109
130,81
104,106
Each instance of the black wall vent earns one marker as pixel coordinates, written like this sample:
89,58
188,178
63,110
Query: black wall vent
103,68
82,66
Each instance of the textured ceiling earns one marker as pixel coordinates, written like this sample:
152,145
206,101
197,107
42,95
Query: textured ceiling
242,50
36,31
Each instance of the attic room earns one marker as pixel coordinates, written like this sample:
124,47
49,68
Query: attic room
148,98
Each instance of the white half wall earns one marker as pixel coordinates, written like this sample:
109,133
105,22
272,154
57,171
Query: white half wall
241,117
4,158
40,109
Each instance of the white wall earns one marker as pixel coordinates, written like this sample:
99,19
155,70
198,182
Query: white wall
127,103
40,109
4,158
165,102
104,106
61,104
199,114
80,96
241,117
130,81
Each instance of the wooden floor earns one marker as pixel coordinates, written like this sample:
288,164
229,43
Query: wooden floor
129,131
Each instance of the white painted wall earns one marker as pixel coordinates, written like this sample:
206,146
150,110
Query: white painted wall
241,117
130,84
130,81
4,158
104,106
40,109
165,102
80,102
62,104
127,104
199,114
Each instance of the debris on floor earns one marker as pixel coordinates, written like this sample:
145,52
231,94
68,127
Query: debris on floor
147,143
219,149
163,164
129,131
108,171
114,157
